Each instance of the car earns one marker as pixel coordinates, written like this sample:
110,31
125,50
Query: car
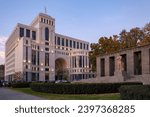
61,81
6,84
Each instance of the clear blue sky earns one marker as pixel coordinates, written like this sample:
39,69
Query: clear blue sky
85,19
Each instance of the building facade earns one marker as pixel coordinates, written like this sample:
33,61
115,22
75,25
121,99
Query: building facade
130,65
133,66
36,53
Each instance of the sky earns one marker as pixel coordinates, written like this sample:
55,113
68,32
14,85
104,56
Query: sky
83,19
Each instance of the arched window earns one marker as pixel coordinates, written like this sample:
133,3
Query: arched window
46,34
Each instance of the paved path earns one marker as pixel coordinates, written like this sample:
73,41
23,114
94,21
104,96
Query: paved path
8,94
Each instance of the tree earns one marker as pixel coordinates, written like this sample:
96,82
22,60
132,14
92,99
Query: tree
146,31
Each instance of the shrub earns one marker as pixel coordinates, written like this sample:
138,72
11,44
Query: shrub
67,88
20,85
135,92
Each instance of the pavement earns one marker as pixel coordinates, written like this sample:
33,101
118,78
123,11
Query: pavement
8,94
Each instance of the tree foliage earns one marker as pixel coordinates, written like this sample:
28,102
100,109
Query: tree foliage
126,39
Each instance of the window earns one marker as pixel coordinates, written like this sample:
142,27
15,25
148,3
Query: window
46,76
80,45
46,59
46,49
33,57
87,47
46,34
49,22
46,43
26,53
46,69
38,57
26,41
80,61
52,23
33,76
33,35
74,44
27,33
58,40
41,19
21,32
66,42
84,46
62,41
77,45
71,43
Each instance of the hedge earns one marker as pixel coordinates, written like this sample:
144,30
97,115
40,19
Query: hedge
140,92
67,88
20,85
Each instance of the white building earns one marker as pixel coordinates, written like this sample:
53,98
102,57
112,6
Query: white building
36,53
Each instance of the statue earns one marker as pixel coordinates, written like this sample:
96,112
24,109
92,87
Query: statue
119,63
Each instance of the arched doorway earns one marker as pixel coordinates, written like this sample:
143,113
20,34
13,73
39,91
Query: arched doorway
61,72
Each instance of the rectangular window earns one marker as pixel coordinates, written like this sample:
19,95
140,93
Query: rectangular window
27,33
38,57
87,47
46,76
62,41
137,63
84,46
46,43
58,40
71,43
26,53
77,45
66,42
74,44
33,57
80,45
111,66
46,59
33,35
46,49
33,76
46,69
21,32
102,67
41,19
80,61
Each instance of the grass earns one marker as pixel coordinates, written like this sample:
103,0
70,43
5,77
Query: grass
111,96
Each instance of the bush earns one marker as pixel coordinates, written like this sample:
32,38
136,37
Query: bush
20,85
67,88
135,92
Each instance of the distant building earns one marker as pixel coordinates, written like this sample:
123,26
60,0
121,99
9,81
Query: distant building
2,68
36,52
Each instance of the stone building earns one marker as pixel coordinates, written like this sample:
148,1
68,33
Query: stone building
125,66
130,65
36,52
